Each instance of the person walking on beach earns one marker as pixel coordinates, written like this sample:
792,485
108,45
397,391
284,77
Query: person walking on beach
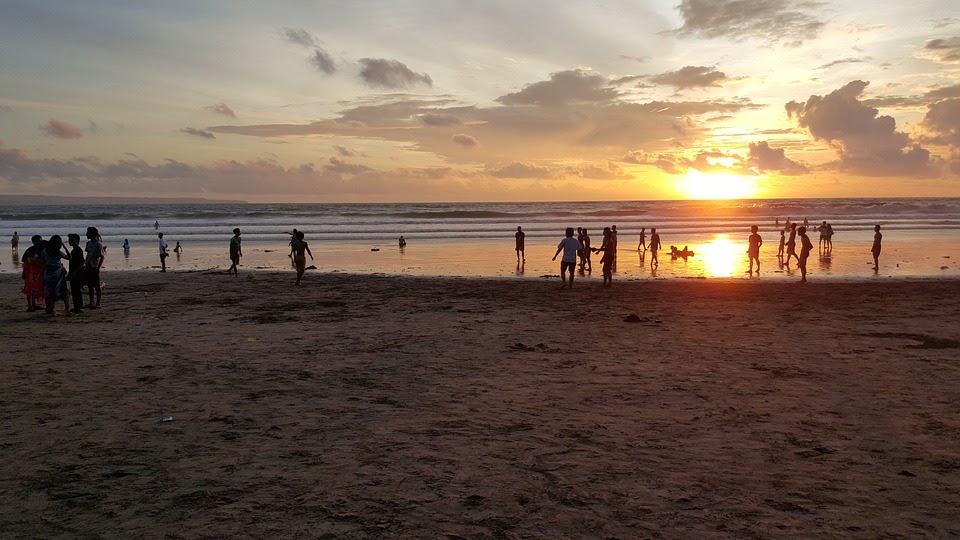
92,265
829,237
806,246
792,243
520,236
753,248
783,239
236,252
15,243
75,272
875,249
642,246
654,246
163,253
126,245
823,236
569,246
177,249
299,259
606,262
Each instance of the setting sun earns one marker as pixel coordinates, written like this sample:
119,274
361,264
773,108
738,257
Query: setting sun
698,185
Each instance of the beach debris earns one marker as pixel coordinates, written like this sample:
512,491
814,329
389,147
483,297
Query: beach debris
634,318
374,249
250,276
311,267
907,474
167,419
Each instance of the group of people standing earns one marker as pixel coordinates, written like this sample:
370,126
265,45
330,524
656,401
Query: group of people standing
45,279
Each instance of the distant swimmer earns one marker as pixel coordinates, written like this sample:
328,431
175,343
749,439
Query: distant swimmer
156,225
15,243
402,242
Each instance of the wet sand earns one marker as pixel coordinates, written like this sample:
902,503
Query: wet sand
372,407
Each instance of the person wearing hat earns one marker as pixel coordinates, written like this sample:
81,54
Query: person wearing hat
235,252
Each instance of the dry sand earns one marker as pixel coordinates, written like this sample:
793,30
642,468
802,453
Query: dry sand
373,407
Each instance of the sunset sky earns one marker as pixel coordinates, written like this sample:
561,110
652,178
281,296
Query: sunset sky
494,100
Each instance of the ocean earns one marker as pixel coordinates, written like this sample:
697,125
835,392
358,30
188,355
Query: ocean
477,239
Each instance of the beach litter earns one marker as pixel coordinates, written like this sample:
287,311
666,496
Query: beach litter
167,419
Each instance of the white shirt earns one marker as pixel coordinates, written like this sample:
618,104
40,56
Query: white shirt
570,246
163,246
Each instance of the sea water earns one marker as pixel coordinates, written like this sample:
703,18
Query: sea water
920,236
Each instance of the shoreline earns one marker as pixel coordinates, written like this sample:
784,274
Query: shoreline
365,406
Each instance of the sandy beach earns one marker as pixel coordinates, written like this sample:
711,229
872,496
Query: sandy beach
362,406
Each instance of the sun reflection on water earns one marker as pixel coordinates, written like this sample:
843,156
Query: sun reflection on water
721,256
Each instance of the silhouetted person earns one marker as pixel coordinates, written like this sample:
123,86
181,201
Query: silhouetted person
613,251
606,262
235,252
586,263
15,243
163,252
402,242
643,240
792,244
521,256
806,246
299,258
780,249
569,246
877,238
753,248
823,235
654,246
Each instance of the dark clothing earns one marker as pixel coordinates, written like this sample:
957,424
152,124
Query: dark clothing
31,251
76,277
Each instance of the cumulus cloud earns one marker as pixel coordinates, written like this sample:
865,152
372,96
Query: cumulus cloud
945,50
789,22
221,108
611,171
298,36
61,130
866,142
942,122
764,158
345,152
564,87
519,169
198,133
465,140
321,60
704,161
383,73
690,77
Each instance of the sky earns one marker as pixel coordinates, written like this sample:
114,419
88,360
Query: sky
491,100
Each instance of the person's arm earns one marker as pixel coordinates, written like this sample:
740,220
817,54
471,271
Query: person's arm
559,249
308,251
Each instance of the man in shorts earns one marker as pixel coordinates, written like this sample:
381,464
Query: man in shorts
91,267
569,246
520,237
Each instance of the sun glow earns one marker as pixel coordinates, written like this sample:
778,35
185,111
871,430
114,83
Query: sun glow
699,185
721,256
